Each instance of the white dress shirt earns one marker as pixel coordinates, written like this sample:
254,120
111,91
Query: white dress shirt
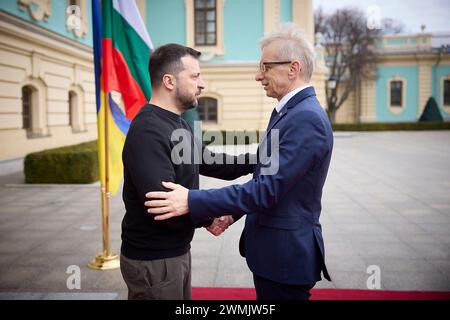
288,96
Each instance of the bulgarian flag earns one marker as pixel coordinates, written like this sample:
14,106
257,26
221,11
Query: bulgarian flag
122,49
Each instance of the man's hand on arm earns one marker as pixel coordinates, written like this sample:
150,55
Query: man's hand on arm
169,204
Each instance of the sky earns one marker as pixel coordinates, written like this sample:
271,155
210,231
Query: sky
434,14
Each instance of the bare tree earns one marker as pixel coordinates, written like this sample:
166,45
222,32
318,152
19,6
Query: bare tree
350,53
319,21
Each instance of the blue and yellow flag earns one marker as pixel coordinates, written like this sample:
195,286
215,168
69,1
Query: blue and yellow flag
122,49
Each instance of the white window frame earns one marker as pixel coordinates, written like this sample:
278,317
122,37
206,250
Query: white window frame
38,110
209,125
208,52
217,111
76,109
396,109
445,107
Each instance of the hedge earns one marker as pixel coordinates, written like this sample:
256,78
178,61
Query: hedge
72,164
243,136
79,163
397,126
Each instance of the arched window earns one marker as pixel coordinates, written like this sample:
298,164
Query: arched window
76,109
72,107
27,100
207,109
34,108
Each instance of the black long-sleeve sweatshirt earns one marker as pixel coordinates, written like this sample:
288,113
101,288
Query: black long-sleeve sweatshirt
148,159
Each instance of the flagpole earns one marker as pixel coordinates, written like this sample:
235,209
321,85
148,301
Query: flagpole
105,260
106,192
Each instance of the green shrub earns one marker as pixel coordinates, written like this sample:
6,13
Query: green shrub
431,112
72,164
377,126
399,126
79,163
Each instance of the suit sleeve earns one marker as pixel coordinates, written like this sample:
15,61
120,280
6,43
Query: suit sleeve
303,143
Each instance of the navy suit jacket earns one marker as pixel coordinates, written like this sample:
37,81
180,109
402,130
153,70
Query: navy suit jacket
282,238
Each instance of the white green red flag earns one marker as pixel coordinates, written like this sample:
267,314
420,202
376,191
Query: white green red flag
122,49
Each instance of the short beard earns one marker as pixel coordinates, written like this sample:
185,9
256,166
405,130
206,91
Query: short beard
185,102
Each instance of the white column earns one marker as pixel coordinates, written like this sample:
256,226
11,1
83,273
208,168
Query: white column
271,16
303,15
424,83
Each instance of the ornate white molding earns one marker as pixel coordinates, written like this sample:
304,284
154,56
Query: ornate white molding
43,8
40,37
76,18
271,16
303,15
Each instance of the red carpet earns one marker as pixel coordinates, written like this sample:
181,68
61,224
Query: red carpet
208,293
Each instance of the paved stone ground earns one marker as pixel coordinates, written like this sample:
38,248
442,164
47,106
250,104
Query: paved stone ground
386,203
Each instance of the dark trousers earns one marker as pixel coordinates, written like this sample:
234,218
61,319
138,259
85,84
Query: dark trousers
162,279
270,290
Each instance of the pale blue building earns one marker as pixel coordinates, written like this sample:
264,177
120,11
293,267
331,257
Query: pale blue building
47,95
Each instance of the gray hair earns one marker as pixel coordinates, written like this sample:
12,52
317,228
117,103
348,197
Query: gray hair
294,46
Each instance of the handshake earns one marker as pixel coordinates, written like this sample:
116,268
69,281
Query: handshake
166,205
220,224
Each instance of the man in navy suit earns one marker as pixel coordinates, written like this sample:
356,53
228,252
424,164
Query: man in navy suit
282,238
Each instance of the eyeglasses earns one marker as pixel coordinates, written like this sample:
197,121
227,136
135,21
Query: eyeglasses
262,65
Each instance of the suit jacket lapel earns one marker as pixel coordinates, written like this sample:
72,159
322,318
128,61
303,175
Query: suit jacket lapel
295,100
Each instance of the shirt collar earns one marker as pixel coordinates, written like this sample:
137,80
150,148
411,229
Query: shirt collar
288,97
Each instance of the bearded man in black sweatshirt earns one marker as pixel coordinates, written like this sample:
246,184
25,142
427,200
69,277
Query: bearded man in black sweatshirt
155,256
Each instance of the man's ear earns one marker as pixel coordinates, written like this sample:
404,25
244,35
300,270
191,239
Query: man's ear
169,81
295,68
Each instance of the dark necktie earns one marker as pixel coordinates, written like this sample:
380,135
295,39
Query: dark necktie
273,116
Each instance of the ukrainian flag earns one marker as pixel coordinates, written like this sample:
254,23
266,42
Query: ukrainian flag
122,49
